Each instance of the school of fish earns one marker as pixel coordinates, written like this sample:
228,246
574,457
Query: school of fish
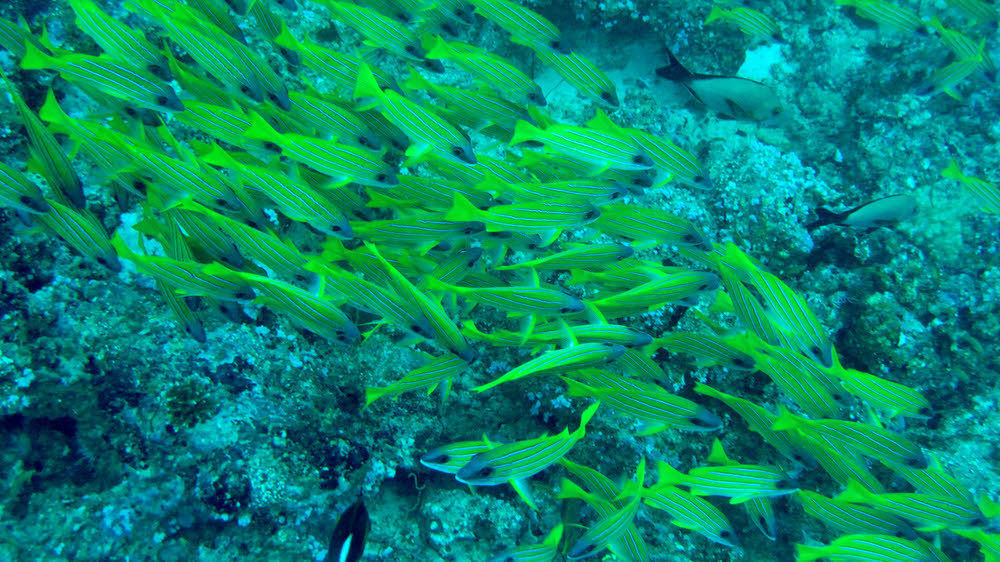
374,190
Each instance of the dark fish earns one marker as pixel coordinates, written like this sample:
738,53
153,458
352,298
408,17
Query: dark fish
348,541
729,96
873,214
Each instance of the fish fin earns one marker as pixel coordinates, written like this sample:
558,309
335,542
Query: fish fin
806,553
35,59
462,210
716,13
824,217
524,132
373,393
674,70
668,475
856,492
416,81
718,454
523,489
260,129
577,389
367,87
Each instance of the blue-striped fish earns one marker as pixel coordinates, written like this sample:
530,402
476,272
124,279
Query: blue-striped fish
441,369
490,69
429,133
522,459
113,78
563,360
863,439
871,548
600,150
343,163
928,512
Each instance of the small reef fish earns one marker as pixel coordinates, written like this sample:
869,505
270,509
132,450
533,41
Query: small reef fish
863,439
525,26
730,96
613,523
738,482
928,512
518,461
851,518
886,14
870,215
748,20
987,193
560,361
871,548
347,543
544,551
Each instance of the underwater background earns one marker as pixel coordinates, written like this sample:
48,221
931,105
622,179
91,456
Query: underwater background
147,417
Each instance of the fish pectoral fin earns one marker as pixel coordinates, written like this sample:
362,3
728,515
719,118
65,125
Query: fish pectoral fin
523,489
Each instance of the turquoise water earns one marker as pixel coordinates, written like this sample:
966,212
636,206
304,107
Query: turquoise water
125,437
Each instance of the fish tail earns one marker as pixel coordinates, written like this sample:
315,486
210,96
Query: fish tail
674,70
856,493
373,393
367,86
35,59
785,421
577,389
260,129
286,40
716,14
462,210
668,475
439,49
825,217
587,414
806,553
523,132
953,171
416,82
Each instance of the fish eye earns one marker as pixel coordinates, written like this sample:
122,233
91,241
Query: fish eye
25,200
591,214
457,151
699,179
101,260
725,534
162,100
485,472
381,177
410,49
335,228
436,457
417,329
131,112
691,238
639,159
695,420
271,147
244,89
606,96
